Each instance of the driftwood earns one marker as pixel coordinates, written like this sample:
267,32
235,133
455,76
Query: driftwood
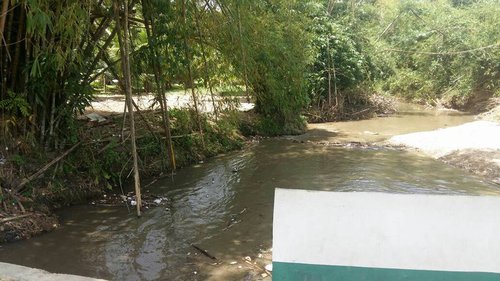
258,268
234,221
17,199
14,218
204,252
40,172
361,111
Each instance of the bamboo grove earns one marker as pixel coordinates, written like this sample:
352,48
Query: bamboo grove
294,59
285,55
53,51
54,55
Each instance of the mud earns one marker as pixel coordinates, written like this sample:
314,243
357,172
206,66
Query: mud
485,163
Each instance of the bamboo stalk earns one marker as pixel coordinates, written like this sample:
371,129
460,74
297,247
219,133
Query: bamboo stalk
27,180
205,64
243,54
14,218
17,52
187,54
3,16
99,54
122,87
151,34
125,53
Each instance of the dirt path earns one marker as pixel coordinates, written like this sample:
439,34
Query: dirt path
112,104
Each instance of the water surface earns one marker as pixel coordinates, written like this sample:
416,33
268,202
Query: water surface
225,207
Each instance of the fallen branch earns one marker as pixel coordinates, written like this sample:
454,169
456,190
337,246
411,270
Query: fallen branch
361,111
27,180
259,268
231,224
204,252
18,201
14,218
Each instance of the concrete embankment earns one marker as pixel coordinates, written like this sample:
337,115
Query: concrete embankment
12,272
473,146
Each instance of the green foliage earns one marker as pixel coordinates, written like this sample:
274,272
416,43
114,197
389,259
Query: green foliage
287,54
16,104
340,62
43,87
189,145
443,50
18,159
267,43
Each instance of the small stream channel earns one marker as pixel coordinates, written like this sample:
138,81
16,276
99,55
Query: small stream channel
237,190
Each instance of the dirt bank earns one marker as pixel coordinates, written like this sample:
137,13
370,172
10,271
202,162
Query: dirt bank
473,146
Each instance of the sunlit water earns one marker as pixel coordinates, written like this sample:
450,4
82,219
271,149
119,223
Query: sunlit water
233,190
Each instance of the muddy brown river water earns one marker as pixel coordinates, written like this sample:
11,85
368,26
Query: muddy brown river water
225,205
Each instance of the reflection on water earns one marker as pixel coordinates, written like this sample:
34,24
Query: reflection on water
234,190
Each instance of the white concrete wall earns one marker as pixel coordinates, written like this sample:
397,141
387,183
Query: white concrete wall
12,272
426,232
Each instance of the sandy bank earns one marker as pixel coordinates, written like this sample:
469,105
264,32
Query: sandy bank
438,143
473,146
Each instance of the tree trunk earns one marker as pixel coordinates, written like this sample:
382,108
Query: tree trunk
329,73
335,86
122,27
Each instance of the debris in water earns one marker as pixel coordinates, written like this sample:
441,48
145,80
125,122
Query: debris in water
94,117
269,267
204,252
233,262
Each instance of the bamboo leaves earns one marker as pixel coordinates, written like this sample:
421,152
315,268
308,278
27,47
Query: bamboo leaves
39,21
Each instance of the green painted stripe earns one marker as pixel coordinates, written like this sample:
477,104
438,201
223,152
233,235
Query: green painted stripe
283,271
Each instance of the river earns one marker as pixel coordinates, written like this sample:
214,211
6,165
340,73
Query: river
225,205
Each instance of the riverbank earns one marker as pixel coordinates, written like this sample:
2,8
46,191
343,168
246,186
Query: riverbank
466,141
34,183
473,146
